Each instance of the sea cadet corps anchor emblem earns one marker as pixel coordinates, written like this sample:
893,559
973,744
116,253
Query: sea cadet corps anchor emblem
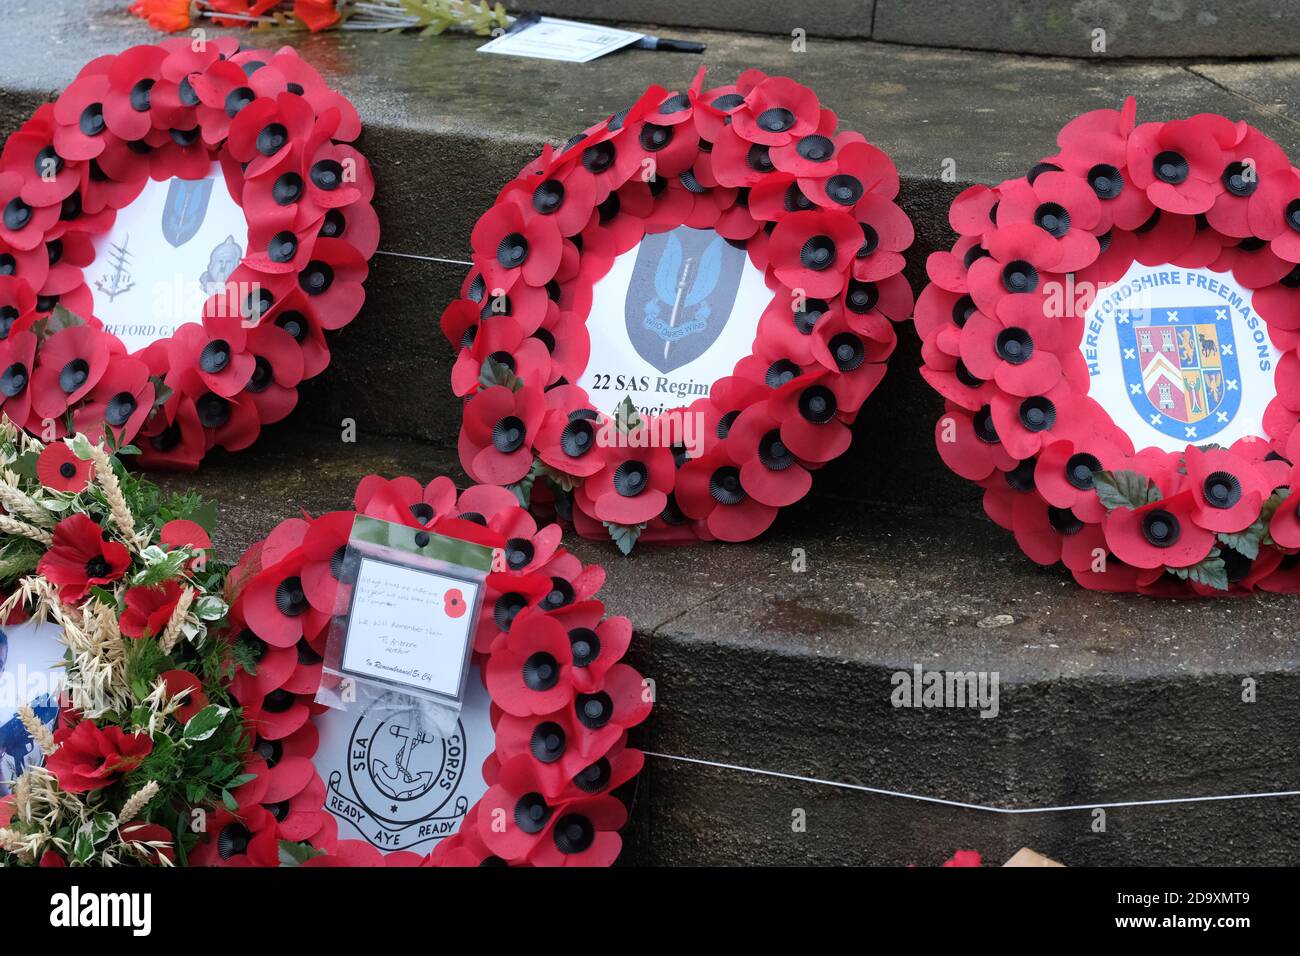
400,789
1195,360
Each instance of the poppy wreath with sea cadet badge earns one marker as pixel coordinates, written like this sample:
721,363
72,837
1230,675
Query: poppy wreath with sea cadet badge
1115,336
674,319
239,163
554,696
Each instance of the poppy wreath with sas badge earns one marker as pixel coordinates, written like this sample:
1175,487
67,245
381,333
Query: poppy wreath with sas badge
224,352
609,269
561,698
1115,336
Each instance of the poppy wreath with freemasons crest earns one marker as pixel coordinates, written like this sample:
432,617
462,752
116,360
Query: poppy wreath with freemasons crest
759,162
282,138
1015,323
562,699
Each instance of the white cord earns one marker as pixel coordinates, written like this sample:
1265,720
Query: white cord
970,806
411,255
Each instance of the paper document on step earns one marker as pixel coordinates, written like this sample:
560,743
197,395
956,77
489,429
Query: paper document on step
551,39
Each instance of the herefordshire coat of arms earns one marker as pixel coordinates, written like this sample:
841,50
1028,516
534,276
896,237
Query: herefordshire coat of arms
1180,369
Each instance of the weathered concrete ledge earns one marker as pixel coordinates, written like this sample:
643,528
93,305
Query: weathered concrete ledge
1148,29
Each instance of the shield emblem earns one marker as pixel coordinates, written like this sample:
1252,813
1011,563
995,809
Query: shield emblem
1180,369
185,209
683,286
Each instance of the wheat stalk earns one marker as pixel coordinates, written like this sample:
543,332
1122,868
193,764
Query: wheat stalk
11,525
173,632
19,503
117,506
137,802
39,732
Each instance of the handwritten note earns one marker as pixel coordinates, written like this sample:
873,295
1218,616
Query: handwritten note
410,626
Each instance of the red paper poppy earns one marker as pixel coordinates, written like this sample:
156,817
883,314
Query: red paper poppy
1010,343
760,163
58,468
172,110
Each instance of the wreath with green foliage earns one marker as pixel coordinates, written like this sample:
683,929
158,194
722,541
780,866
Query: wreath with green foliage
146,740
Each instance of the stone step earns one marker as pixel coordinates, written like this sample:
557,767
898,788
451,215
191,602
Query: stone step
1101,698
1226,28
446,127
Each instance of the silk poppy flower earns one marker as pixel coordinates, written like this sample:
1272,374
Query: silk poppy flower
58,468
90,758
185,688
149,609
81,558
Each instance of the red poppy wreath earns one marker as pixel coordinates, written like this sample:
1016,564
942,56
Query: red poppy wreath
1115,335
177,232
526,780
675,318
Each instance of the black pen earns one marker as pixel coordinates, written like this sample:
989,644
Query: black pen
523,20
672,46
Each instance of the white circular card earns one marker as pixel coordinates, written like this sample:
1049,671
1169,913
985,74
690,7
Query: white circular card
394,782
1179,357
672,316
165,255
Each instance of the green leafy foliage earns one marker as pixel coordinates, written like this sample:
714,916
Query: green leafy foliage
627,417
625,536
523,488
495,373
1249,540
1212,571
295,854
1124,489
